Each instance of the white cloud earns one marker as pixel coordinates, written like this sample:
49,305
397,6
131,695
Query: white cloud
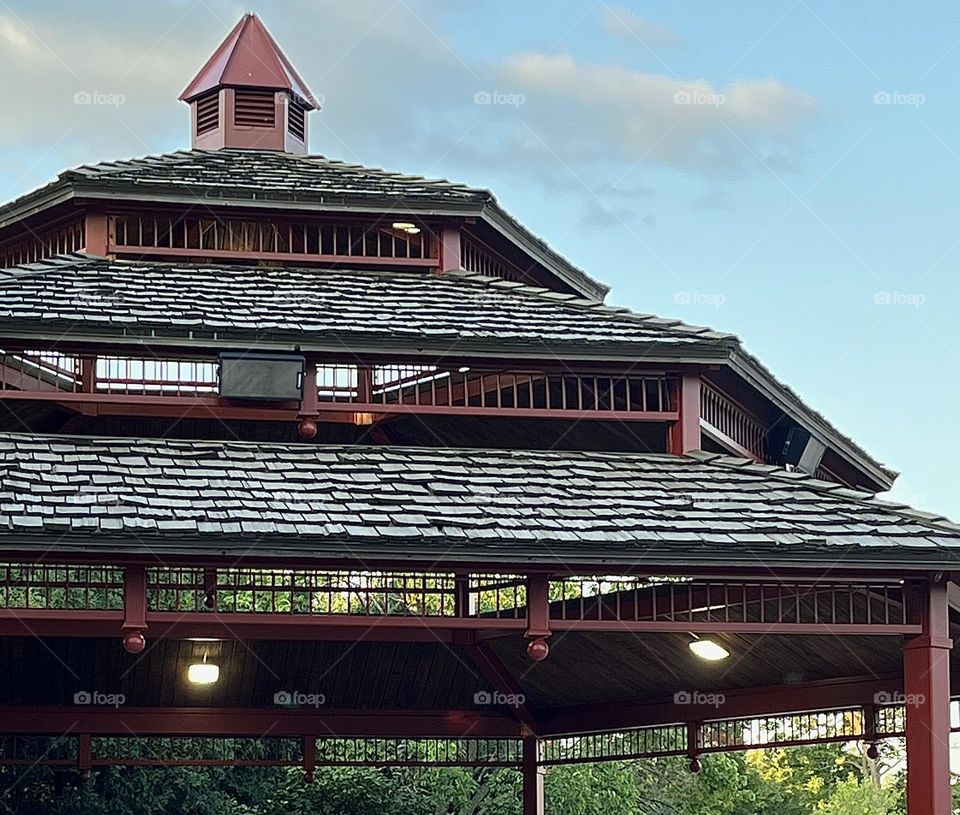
13,35
683,123
623,23
397,94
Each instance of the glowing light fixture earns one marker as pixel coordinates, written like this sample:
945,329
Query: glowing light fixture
709,650
405,226
203,673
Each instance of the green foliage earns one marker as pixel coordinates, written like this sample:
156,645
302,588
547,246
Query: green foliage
856,797
821,780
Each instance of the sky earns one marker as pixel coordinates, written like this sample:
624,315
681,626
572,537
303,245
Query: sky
787,170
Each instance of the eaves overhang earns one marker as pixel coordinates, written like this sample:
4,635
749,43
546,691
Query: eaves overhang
901,560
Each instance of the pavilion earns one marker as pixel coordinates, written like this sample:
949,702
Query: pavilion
340,466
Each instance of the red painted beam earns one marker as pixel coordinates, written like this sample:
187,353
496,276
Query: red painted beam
122,404
290,257
256,722
249,626
665,626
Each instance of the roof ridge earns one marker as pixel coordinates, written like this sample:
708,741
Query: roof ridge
119,165
741,464
392,173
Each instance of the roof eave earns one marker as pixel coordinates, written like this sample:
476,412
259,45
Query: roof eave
900,560
690,352
510,228
750,369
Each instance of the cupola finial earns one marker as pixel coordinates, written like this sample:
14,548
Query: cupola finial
249,95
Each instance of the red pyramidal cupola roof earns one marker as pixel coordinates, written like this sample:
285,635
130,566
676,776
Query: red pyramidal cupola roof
250,58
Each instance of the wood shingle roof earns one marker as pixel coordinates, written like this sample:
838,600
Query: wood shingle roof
303,500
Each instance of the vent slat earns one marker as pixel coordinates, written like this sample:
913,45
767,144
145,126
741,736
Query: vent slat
254,109
297,120
208,113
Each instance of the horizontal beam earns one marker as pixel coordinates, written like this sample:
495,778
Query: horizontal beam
246,626
252,626
741,703
698,627
125,404
290,257
255,722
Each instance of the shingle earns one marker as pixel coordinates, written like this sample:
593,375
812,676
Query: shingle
454,306
406,496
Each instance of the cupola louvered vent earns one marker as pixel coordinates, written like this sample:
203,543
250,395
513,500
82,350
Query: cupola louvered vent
208,113
296,120
254,109
237,95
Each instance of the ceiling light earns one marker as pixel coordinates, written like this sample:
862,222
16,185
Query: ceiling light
203,673
405,226
709,650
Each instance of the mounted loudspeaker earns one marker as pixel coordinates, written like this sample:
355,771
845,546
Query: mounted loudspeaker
261,377
802,450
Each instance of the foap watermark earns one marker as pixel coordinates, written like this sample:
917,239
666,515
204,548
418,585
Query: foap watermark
92,495
701,98
898,298
899,99
699,298
694,697
511,100
97,698
899,698
99,98
295,698
486,698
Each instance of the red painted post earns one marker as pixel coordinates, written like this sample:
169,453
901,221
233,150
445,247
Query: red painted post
450,257
96,234
533,799
685,432
926,685
84,755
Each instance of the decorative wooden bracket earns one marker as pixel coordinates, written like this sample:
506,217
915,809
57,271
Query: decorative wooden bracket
538,616
134,608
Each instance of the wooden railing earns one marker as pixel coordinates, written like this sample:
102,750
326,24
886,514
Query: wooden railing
59,240
397,243
731,425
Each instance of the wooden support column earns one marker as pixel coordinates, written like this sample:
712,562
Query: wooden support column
84,755
309,746
96,234
533,798
450,252
685,432
926,685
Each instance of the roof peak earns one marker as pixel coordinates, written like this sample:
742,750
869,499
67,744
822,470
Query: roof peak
250,57
249,95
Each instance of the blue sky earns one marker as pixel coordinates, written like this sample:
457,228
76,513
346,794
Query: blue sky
787,202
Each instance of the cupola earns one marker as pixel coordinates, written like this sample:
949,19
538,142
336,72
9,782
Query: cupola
249,95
